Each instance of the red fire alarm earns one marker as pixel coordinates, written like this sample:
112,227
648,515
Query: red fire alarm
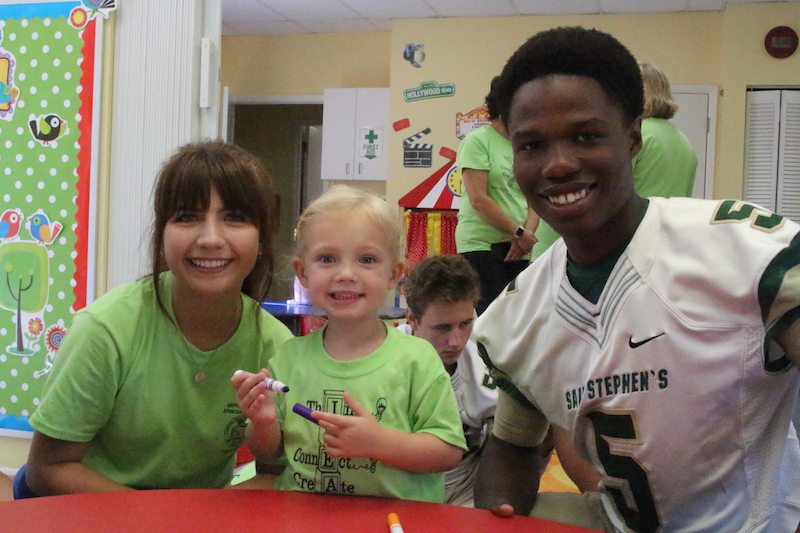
781,42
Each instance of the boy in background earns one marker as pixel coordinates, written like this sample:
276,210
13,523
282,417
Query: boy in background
441,292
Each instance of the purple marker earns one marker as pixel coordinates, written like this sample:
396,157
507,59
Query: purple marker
276,386
272,384
305,412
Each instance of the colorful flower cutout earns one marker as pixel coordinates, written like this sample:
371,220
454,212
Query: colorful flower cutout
78,17
53,337
35,326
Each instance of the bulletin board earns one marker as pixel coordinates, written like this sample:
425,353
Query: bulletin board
49,74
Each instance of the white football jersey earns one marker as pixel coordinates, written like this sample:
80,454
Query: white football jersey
665,382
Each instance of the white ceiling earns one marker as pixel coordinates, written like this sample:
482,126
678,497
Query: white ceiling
251,17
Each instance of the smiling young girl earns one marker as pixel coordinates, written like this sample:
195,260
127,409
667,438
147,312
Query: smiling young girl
139,396
388,418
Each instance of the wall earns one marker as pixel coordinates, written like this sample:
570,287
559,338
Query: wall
701,48
289,65
469,52
304,64
745,62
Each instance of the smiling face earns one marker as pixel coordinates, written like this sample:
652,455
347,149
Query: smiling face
572,160
345,262
210,252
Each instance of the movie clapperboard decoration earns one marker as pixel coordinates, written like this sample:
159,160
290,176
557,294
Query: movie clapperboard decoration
417,155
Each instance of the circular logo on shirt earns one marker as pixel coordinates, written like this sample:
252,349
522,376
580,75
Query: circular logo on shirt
234,431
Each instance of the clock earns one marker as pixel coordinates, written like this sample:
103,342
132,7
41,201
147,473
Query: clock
781,42
454,180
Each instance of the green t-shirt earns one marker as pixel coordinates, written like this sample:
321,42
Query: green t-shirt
545,236
485,149
405,386
666,164
123,380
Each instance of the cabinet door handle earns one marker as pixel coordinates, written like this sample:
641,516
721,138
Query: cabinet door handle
347,169
359,169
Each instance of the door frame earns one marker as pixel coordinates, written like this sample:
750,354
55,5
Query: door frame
712,91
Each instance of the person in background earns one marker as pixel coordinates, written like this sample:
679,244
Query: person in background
441,292
388,418
666,164
645,331
545,237
495,230
139,395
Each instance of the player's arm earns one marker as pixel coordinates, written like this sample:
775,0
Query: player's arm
507,479
508,474
789,341
780,284
579,470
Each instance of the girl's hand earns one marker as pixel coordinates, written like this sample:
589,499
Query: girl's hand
350,436
263,434
253,397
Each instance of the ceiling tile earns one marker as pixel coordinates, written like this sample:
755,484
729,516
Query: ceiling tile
557,7
473,8
247,11
266,28
391,9
382,24
311,9
337,26
375,15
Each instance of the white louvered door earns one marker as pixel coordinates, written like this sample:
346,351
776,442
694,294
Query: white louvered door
762,126
772,151
788,199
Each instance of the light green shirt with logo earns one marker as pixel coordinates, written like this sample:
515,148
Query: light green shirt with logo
124,381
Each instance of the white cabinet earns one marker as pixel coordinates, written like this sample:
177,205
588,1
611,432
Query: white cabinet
354,134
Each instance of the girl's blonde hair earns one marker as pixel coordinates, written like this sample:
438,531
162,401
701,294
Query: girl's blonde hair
658,96
343,199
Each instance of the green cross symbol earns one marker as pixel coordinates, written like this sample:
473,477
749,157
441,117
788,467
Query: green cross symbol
371,137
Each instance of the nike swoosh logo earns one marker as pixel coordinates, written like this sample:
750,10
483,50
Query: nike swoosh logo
637,344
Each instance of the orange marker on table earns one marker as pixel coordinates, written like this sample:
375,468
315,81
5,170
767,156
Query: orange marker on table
394,524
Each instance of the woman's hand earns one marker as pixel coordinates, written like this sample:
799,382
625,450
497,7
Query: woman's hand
263,433
253,397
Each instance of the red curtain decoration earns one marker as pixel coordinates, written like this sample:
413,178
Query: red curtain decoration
448,237
429,233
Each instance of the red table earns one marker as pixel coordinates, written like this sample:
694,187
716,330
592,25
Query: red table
246,511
